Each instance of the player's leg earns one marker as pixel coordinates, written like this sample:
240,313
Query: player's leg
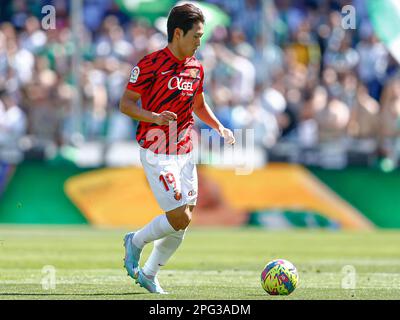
163,175
134,242
165,247
179,218
160,173
165,184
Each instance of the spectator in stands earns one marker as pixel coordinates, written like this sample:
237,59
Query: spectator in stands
332,120
306,74
373,63
13,125
364,118
390,120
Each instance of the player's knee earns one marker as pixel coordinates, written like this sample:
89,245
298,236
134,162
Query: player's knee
185,217
180,218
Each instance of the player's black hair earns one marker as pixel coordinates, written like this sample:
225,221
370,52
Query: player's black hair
183,17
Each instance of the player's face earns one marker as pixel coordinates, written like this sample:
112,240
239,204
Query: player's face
189,42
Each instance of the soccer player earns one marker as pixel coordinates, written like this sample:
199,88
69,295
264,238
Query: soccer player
169,83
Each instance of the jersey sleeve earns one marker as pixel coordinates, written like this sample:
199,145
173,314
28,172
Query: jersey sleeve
141,77
200,89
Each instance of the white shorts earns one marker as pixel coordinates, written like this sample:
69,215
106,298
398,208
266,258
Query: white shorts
172,178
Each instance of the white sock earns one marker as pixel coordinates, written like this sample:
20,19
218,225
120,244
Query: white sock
163,249
158,228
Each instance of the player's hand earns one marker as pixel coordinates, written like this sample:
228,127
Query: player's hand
165,117
227,134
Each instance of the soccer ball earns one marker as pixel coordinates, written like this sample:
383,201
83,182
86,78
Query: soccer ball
279,277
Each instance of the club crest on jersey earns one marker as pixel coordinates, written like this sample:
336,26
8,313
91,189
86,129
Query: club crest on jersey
179,83
134,74
194,73
178,196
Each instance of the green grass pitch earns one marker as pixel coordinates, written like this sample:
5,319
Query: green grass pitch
210,264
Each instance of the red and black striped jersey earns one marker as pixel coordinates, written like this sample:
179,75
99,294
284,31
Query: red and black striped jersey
166,83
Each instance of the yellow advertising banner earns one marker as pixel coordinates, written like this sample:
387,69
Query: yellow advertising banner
122,196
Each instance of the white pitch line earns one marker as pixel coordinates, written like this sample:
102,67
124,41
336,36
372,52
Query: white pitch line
361,261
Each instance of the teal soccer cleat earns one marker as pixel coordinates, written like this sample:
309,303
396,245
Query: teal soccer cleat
132,256
151,284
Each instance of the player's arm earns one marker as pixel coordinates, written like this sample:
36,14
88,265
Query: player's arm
128,106
205,114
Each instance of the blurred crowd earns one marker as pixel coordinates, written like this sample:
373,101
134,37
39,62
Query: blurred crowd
293,74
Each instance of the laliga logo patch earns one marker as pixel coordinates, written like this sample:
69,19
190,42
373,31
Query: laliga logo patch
134,74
